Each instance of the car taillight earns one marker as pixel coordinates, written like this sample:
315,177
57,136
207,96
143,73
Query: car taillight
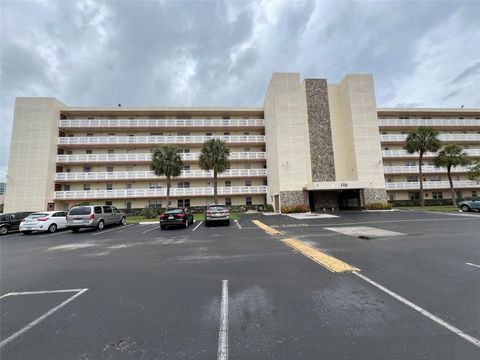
42,219
162,216
180,215
92,217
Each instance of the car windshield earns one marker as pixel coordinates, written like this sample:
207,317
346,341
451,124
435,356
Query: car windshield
174,211
36,215
83,210
217,208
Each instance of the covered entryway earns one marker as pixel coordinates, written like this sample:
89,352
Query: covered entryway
349,199
334,200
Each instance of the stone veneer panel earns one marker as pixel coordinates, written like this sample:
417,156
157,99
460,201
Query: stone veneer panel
320,133
371,196
289,198
325,199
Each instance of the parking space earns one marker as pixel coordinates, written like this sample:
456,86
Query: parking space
155,294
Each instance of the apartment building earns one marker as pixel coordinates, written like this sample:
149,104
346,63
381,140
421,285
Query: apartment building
315,143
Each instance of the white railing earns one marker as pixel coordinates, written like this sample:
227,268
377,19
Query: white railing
138,175
442,137
429,122
425,169
154,140
404,153
146,157
155,193
431,185
160,123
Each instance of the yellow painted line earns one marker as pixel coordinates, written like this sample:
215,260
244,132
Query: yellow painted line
327,261
266,228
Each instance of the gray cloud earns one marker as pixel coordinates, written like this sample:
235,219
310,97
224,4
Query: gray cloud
223,53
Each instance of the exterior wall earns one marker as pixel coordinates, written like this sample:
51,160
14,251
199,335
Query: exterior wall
320,134
325,200
371,196
289,198
286,131
33,149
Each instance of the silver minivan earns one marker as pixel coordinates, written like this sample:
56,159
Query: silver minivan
94,216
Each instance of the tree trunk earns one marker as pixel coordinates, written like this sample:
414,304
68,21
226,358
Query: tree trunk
452,190
168,193
420,160
215,198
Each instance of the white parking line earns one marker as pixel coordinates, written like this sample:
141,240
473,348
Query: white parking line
223,332
105,231
40,292
146,231
422,311
473,265
44,316
238,224
195,228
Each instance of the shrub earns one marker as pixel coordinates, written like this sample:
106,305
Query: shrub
378,206
268,208
149,213
295,209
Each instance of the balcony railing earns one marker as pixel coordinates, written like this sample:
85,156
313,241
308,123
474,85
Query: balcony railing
442,137
405,154
155,193
160,123
432,185
425,169
146,157
155,140
139,175
429,122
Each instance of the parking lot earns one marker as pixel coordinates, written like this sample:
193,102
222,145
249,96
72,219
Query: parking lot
248,291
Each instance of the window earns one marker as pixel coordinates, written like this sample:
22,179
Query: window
128,204
186,167
474,194
228,183
265,182
384,133
183,134
128,186
88,151
155,186
414,195
130,151
90,118
89,134
389,179
154,204
246,133
129,168
435,178
437,195
110,151
87,169
86,187
466,146
69,152
68,170
107,209
108,203
183,184
246,149
115,210
226,117
66,187
248,200
386,148
391,196
228,201
226,134
208,134
410,163
248,182
183,203
109,186
97,210
458,194
248,166
109,168
111,134
184,151
412,178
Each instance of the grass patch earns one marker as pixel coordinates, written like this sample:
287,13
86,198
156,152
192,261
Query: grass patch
434,208
197,217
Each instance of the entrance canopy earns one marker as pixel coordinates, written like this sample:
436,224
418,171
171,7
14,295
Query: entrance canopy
339,185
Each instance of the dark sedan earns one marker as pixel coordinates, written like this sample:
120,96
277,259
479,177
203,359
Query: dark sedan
176,217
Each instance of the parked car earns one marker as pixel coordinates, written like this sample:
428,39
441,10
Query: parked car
176,217
469,205
9,222
44,221
216,214
94,216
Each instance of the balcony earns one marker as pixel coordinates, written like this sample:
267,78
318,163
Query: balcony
159,124
156,193
146,157
443,137
149,175
412,123
405,154
425,169
156,140
432,185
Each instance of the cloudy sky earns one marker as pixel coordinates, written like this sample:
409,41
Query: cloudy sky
182,53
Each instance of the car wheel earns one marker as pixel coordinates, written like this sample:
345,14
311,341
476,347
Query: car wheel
465,208
186,223
207,223
75,230
100,225
3,230
123,221
26,232
228,222
52,228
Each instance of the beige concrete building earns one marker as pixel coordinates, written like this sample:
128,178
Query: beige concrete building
314,143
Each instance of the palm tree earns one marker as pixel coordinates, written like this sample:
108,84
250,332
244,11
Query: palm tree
474,172
452,155
214,156
166,161
422,140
